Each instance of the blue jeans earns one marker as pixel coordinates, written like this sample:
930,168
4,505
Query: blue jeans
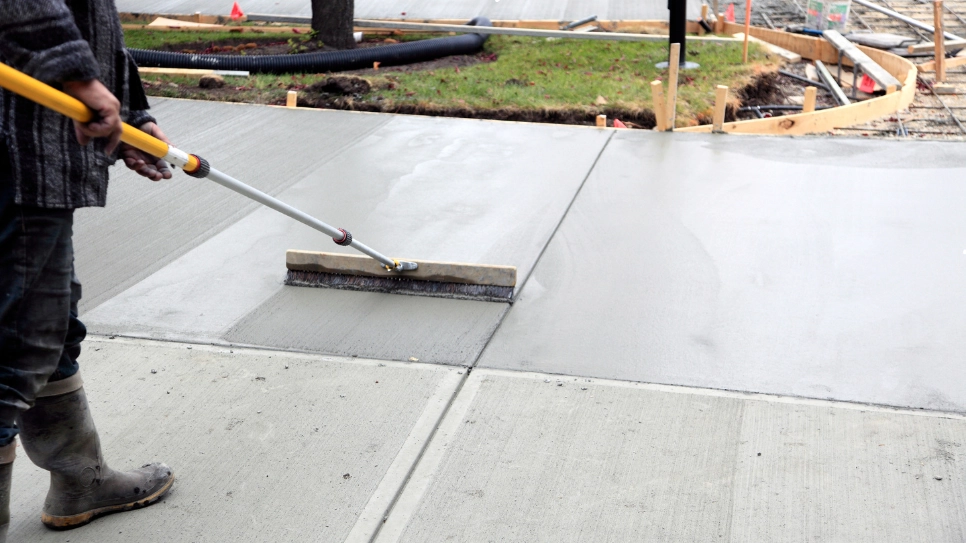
40,335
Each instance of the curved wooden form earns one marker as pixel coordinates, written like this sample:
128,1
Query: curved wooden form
826,119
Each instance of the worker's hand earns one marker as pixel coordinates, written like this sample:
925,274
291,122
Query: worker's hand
108,122
144,164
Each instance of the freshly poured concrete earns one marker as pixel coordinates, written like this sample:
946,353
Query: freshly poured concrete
810,267
147,225
568,10
265,446
416,187
527,457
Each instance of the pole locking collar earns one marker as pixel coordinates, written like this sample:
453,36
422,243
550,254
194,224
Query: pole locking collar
346,238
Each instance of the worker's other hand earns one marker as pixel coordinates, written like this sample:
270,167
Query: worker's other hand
144,164
108,109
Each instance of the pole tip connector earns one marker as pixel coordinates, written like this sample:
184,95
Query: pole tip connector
201,170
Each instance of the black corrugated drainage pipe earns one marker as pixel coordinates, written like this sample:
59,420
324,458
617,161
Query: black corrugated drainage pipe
328,61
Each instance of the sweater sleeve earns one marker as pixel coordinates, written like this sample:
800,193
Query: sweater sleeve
39,38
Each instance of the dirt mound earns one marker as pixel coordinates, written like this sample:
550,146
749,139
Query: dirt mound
341,86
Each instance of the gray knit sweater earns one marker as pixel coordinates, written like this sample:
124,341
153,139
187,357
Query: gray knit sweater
56,41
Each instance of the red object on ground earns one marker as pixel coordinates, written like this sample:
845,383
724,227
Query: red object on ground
730,13
236,12
866,84
619,124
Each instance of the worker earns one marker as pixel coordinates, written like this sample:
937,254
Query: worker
50,166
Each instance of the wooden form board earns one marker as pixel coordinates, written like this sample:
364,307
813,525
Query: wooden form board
950,63
862,60
628,25
928,47
194,18
825,119
530,32
177,27
785,54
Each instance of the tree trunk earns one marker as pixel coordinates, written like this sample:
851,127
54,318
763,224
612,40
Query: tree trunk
332,20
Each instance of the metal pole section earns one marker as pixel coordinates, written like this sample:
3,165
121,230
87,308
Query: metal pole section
583,21
230,182
678,26
908,20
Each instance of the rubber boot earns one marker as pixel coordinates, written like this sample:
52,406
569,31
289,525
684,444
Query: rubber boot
7,454
58,435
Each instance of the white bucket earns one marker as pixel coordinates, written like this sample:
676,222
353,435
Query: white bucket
827,14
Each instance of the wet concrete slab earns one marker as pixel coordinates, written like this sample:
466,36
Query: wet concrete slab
148,225
527,457
807,267
568,10
418,187
265,446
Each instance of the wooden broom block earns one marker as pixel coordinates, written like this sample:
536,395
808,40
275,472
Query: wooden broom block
445,272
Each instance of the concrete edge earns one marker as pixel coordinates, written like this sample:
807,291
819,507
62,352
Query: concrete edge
425,471
395,478
721,393
281,353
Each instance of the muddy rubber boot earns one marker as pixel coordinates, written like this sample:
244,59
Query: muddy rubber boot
58,435
7,454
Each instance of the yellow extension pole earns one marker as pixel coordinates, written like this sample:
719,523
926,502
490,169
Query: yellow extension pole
49,97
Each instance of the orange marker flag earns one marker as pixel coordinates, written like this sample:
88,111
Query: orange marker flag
236,12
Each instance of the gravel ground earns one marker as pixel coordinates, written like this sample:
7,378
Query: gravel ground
928,117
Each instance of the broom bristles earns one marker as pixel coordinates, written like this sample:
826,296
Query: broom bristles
393,285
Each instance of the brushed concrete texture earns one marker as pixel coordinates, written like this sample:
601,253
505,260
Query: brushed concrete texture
531,457
366,324
417,187
147,225
567,10
265,446
808,267
831,474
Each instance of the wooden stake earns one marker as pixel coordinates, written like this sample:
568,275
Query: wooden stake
744,47
718,19
602,121
937,15
704,17
809,105
672,84
720,101
292,99
660,108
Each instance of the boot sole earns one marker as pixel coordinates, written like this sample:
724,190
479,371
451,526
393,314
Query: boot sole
80,519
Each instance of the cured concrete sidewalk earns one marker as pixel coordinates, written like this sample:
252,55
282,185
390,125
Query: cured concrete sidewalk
273,446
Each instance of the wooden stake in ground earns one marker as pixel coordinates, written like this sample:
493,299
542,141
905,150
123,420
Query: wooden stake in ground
744,47
720,101
704,17
672,84
718,24
602,121
809,105
292,99
660,108
937,15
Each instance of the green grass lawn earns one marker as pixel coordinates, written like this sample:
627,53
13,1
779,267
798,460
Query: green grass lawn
517,73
